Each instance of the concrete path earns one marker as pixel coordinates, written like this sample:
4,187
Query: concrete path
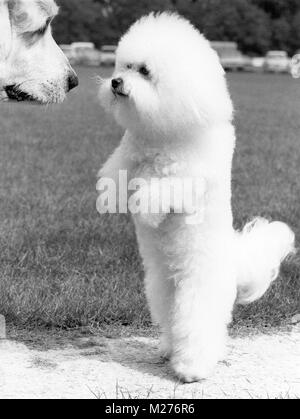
259,366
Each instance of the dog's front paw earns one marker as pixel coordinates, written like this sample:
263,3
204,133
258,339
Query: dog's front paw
191,371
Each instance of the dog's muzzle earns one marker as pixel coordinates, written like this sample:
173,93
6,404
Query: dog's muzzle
14,93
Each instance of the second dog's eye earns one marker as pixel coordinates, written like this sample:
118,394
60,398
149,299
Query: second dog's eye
144,71
43,29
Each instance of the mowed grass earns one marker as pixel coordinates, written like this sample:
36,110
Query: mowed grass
62,264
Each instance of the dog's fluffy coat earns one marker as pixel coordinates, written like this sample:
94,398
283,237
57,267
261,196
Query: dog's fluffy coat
174,103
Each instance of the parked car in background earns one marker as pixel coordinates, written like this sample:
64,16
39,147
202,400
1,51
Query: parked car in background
257,64
230,56
86,53
277,62
295,65
108,55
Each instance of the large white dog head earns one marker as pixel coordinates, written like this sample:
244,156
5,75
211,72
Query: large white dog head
32,66
167,78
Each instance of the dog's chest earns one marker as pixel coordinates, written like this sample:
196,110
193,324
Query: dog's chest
159,166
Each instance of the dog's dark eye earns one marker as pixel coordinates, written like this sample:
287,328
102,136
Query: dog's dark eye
129,66
42,30
143,70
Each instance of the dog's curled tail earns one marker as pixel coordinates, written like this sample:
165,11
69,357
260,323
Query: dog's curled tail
261,247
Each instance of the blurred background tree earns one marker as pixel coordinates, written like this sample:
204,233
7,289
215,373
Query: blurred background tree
120,14
230,20
256,25
78,20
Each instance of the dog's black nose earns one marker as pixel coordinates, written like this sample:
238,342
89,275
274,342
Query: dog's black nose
116,83
72,81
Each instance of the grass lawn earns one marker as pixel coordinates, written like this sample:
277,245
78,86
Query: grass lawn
62,264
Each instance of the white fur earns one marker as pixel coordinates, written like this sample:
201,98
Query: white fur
34,64
178,123
261,247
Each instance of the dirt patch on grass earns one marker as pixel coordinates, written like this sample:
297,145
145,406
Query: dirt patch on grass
258,366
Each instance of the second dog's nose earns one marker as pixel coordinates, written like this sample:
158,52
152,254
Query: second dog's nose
72,81
116,83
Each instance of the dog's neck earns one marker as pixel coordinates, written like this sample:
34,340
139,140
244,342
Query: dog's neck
5,39
5,30
2,75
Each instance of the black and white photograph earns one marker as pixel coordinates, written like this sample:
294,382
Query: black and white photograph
149,202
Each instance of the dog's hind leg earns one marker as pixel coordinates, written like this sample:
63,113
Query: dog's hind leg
202,310
160,296
159,287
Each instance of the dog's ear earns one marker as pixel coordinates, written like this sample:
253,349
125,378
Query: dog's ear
5,30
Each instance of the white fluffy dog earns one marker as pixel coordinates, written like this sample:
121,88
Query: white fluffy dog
169,93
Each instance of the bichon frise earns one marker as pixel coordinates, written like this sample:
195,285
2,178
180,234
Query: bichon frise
169,93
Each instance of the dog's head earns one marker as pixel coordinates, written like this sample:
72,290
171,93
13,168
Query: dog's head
167,77
32,66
